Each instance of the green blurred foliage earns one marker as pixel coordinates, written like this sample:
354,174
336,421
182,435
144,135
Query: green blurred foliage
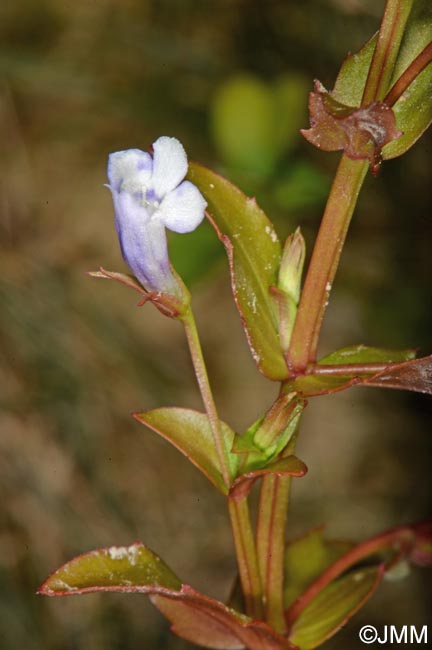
255,123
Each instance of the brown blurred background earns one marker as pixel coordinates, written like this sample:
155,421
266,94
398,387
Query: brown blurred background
229,78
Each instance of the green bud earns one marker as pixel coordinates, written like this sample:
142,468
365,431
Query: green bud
291,268
279,424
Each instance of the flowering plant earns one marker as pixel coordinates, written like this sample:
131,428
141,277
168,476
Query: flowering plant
379,107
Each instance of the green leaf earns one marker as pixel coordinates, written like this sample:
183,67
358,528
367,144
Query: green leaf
365,354
333,606
316,385
306,558
413,111
118,568
190,432
352,76
414,108
254,253
195,617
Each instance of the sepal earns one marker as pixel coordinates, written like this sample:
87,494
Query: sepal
173,306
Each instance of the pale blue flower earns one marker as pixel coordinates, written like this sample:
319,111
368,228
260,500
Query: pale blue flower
149,196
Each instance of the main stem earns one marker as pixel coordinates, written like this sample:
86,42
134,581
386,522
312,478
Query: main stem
315,295
238,510
324,262
392,29
273,507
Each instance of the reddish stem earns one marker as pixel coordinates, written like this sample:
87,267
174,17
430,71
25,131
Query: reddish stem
400,539
410,74
392,28
271,526
324,262
343,369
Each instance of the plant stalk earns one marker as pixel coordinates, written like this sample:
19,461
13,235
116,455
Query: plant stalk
246,557
324,262
271,525
238,510
409,75
392,29
206,393
322,269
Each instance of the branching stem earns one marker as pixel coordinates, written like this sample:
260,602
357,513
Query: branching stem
315,295
409,75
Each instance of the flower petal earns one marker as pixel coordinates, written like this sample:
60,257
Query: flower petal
132,168
182,210
169,165
143,244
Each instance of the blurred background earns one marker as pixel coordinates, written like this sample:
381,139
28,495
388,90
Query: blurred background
230,79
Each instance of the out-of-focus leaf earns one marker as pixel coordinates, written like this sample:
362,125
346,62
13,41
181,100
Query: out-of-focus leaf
415,375
421,553
386,550
352,76
301,185
243,124
365,354
195,617
254,122
333,607
413,110
288,466
254,253
359,132
290,95
194,254
190,432
118,568
306,558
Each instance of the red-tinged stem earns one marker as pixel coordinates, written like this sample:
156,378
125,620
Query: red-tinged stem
399,539
344,369
410,74
238,510
319,279
324,262
246,557
392,29
271,532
